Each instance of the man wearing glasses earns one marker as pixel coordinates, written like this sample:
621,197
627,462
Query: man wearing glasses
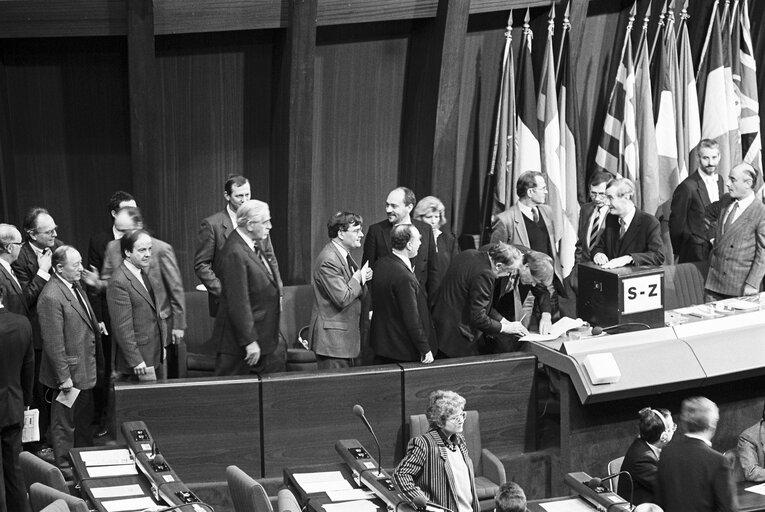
17,299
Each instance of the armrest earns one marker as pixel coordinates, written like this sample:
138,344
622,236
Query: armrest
493,469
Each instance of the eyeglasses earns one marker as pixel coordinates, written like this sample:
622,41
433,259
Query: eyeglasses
457,418
49,232
597,194
16,243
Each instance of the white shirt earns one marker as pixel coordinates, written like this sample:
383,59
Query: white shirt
343,251
702,438
627,219
231,215
69,285
463,492
711,183
39,252
528,211
405,260
136,272
8,268
743,204
117,233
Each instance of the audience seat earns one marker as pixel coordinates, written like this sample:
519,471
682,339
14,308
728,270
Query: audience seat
57,506
36,470
488,469
615,466
684,284
247,495
286,501
40,496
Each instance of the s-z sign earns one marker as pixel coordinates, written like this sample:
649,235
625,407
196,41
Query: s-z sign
642,294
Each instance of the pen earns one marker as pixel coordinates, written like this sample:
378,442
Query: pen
524,316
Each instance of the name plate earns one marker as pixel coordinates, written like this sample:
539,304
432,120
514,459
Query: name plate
642,294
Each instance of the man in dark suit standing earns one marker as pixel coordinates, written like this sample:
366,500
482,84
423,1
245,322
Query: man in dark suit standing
70,334
213,233
246,328
631,237
137,326
16,299
17,366
592,222
693,477
401,328
338,287
688,226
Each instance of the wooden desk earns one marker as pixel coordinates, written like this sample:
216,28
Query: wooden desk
749,501
315,501
90,484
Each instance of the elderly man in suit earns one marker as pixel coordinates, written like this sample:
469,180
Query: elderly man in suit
137,325
737,261
751,451
592,221
338,287
631,237
692,476
71,339
17,367
688,226
401,329
246,328
17,299
213,233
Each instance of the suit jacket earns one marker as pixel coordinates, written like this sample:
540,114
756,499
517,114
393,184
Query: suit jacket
69,336
510,228
401,328
165,277
583,251
336,306
17,367
738,255
18,298
751,452
694,478
426,269
446,249
425,470
642,240
463,306
212,236
137,326
96,253
250,302
688,227
642,464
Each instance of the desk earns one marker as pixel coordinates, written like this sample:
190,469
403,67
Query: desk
749,501
315,501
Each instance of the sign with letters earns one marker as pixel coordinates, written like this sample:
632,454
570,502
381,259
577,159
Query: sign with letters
642,293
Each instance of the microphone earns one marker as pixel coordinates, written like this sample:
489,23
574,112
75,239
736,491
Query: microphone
596,484
422,503
596,330
359,411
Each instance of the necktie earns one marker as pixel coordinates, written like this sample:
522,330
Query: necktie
535,213
262,257
147,285
622,228
351,264
15,279
81,300
595,229
729,219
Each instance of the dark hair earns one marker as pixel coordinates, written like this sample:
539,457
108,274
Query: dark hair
540,265
233,180
510,498
118,198
30,219
341,221
60,255
526,181
600,177
651,425
505,254
409,197
400,236
128,241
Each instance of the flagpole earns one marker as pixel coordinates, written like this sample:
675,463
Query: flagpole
658,30
706,40
644,33
564,31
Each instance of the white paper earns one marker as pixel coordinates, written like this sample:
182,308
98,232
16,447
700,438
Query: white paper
68,398
106,457
572,505
340,485
117,491
351,506
759,489
319,476
129,504
557,330
353,494
31,430
102,471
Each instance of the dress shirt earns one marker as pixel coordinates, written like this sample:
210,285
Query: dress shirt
655,449
10,271
603,212
700,437
39,252
627,220
528,211
711,183
231,215
742,205
405,260
343,251
136,272
117,233
70,286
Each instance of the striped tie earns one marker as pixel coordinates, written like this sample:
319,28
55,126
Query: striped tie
595,229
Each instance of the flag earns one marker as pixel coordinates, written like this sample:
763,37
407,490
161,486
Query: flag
749,124
646,130
528,151
568,153
730,37
617,152
504,131
689,101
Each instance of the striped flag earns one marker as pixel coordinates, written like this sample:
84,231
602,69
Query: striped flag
749,124
528,152
646,130
689,102
504,131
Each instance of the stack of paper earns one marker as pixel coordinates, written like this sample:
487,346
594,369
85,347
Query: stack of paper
102,463
322,481
351,506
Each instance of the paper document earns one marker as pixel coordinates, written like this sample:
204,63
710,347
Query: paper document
129,504
572,505
102,471
67,398
759,489
117,491
353,494
322,481
31,431
557,330
151,375
351,506
106,457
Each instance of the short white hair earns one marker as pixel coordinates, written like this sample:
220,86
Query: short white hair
251,210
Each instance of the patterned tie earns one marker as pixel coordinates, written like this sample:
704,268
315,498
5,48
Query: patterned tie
622,229
731,215
595,229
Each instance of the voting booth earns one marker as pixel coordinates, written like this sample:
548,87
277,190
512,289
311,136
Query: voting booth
609,297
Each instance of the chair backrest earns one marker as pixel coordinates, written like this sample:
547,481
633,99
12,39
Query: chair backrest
614,466
40,496
35,469
57,506
297,304
247,495
287,502
684,284
471,429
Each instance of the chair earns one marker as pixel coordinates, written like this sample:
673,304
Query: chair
57,506
287,502
35,469
40,496
247,495
614,466
684,284
488,469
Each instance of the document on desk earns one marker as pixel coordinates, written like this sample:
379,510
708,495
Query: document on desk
557,330
351,506
353,494
572,505
116,491
106,457
129,504
759,489
120,470
322,481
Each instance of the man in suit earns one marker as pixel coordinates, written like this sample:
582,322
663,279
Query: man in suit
213,233
17,367
642,458
530,223
631,237
246,328
751,451
592,222
70,334
692,476
137,326
688,226
338,287
737,260
398,207
401,329
16,299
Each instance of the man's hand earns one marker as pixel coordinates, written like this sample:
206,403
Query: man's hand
427,358
516,328
102,329
750,290
44,260
545,323
177,336
253,353
91,277
621,261
140,369
67,385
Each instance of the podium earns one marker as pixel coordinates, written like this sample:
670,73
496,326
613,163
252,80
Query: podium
610,297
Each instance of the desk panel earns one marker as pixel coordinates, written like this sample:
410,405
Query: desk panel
305,413
201,425
500,387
